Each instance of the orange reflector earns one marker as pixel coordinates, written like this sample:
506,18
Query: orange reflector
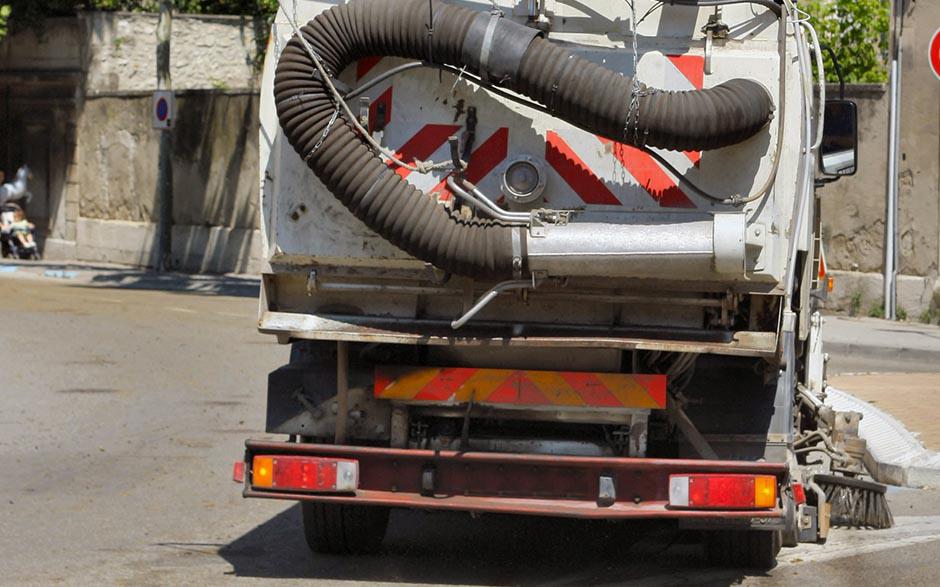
830,282
765,491
262,472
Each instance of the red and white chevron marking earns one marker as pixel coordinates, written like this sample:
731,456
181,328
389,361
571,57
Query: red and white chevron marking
590,170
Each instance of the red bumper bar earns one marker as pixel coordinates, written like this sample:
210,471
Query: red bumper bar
512,483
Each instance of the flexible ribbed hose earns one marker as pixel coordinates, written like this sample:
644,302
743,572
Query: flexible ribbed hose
577,90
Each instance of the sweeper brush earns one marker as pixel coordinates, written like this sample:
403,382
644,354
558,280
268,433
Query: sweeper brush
856,503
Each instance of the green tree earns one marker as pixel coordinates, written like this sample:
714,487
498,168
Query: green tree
21,14
857,31
4,17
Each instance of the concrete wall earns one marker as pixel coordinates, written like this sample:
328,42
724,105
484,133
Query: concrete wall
854,208
78,111
215,181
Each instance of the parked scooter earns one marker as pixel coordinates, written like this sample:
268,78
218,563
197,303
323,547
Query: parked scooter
17,238
17,234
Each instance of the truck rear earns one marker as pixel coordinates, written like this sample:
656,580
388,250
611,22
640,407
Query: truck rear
551,258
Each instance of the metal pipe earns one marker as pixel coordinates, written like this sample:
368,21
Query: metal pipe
342,391
639,250
801,197
821,71
488,297
487,206
891,203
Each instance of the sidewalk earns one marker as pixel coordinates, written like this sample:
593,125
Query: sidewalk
124,277
912,398
882,340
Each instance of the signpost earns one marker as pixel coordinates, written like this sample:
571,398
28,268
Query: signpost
933,53
894,140
164,113
164,109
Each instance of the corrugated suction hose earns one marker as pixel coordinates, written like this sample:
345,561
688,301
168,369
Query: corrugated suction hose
502,52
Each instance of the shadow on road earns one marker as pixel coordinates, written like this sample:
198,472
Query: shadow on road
453,548
178,282
142,279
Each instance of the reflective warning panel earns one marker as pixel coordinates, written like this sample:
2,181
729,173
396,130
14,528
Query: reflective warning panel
517,387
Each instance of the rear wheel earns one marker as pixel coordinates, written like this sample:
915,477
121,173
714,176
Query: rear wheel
753,549
344,529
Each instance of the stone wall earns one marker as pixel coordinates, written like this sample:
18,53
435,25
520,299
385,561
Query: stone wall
77,110
217,52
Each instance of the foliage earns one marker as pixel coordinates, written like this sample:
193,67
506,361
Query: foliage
855,305
930,315
857,31
4,17
32,13
877,310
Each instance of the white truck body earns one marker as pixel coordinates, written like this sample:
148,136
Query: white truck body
306,229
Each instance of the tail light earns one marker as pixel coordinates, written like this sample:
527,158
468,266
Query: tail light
731,491
799,494
298,473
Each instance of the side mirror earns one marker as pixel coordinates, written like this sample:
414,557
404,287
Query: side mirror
838,153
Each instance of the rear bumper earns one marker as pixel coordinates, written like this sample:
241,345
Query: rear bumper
528,484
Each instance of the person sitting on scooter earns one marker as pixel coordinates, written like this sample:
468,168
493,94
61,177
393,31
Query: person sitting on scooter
18,226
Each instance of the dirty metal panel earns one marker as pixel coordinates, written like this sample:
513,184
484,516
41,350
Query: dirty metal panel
433,332
519,387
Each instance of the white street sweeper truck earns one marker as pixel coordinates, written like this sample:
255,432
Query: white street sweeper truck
556,258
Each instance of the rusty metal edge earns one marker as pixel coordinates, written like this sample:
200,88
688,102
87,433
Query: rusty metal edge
616,463
289,325
523,506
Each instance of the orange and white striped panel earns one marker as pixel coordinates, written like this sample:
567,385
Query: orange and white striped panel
589,170
456,385
585,166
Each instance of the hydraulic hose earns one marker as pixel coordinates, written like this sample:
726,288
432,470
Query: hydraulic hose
501,52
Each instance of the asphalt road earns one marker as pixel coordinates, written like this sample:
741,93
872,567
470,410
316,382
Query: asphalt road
122,409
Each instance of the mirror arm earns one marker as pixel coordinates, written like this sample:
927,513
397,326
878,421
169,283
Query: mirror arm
835,63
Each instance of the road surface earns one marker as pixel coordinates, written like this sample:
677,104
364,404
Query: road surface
122,409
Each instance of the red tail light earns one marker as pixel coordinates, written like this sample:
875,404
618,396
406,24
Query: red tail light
799,494
731,491
298,473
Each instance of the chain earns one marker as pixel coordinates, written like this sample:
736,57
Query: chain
634,111
326,132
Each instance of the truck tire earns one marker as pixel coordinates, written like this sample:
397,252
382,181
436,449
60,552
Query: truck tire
343,529
754,549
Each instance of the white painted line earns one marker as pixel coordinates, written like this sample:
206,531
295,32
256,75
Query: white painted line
908,530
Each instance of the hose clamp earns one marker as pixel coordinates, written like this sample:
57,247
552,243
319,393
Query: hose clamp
494,47
487,45
516,237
